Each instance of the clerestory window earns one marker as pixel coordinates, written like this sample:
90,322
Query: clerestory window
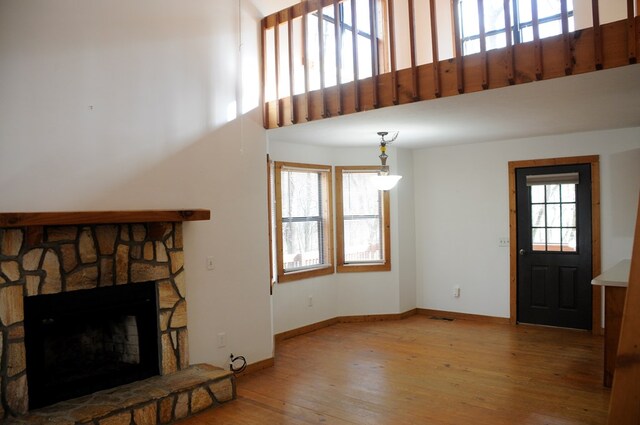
549,14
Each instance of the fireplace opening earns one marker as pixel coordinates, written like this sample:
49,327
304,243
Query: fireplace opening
84,341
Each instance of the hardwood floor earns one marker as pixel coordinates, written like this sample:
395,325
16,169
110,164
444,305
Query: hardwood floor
425,371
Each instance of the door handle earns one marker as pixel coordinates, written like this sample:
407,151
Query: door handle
522,251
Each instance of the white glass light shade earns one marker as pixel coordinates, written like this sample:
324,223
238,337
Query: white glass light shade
385,182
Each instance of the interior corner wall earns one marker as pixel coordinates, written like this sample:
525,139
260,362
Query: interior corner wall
108,105
462,209
349,294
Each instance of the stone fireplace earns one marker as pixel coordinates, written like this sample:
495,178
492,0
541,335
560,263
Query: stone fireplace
40,261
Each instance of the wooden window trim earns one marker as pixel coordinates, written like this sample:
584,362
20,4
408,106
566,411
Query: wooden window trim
327,208
386,228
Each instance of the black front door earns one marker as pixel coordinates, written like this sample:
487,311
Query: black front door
554,245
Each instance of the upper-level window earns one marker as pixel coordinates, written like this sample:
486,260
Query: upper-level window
362,215
521,12
304,232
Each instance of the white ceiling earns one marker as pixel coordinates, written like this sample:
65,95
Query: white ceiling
594,101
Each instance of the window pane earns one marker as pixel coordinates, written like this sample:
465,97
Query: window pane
568,193
538,239
524,11
301,245
300,194
496,41
553,215
313,52
359,195
569,241
553,240
553,192
549,29
329,47
568,215
362,240
537,194
547,8
493,15
537,216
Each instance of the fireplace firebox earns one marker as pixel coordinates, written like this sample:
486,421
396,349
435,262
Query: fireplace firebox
84,341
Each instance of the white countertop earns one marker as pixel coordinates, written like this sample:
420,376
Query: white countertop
617,275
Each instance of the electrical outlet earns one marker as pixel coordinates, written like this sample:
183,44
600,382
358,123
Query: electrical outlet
456,291
210,265
310,301
222,340
503,242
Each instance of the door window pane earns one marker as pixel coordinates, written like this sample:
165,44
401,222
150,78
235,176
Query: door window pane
568,215
553,217
568,193
553,192
537,194
539,240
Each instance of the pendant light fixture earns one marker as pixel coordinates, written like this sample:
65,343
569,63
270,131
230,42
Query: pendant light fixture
384,180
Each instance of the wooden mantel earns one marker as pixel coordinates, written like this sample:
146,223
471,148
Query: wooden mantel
25,219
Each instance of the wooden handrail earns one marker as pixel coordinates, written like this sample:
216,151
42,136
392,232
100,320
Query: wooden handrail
387,85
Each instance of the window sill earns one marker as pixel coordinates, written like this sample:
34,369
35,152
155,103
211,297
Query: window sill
305,274
361,268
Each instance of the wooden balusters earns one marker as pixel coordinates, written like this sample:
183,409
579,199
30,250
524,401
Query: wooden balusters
434,49
577,54
305,58
354,41
568,58
293,102
537,45
338,42
597,34
392,52
412,52
323,95
278,100
509,58
631,33
263,69
483,46
457,39
374,52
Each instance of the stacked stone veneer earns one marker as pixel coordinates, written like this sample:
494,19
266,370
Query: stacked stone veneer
54,259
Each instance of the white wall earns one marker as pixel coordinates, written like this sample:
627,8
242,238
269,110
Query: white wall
131,105
462,209
347,294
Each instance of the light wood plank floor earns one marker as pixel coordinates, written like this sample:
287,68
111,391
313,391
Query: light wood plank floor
425,371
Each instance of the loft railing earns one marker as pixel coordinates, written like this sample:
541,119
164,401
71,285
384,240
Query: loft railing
324,58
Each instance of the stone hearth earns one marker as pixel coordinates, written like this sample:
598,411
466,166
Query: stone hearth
157,400
49,259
